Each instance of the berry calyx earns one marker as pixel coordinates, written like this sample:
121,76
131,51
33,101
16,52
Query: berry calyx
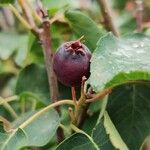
71,62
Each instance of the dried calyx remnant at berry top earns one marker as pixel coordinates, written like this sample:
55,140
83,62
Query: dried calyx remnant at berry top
71,62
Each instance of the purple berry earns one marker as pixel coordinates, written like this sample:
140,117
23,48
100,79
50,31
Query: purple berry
71,62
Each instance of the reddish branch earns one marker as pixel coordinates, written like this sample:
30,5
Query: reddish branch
139,14
43,33
45,38
99,96
108,16
27,13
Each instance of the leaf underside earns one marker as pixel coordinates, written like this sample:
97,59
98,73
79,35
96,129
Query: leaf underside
129,109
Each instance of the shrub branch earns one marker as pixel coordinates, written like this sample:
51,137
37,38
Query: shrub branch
107,16
139,14
44,35
47,50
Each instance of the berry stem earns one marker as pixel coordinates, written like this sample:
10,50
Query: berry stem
73,91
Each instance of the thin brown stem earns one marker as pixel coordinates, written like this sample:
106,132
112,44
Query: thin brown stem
100,95
139,14
83,85
45,38
27,12
73,91
34,13
8,17
44,35
107,15
47,50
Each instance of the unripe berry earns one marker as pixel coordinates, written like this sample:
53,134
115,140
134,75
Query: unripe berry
71,62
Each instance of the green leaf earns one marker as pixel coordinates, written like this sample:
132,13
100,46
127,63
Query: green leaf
33,78
35,54
119,60
101,138
119,4
83,25
128,108
106,136
54,4
6,1
36,133
11,43
96,110
90,122
77,141
114,136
